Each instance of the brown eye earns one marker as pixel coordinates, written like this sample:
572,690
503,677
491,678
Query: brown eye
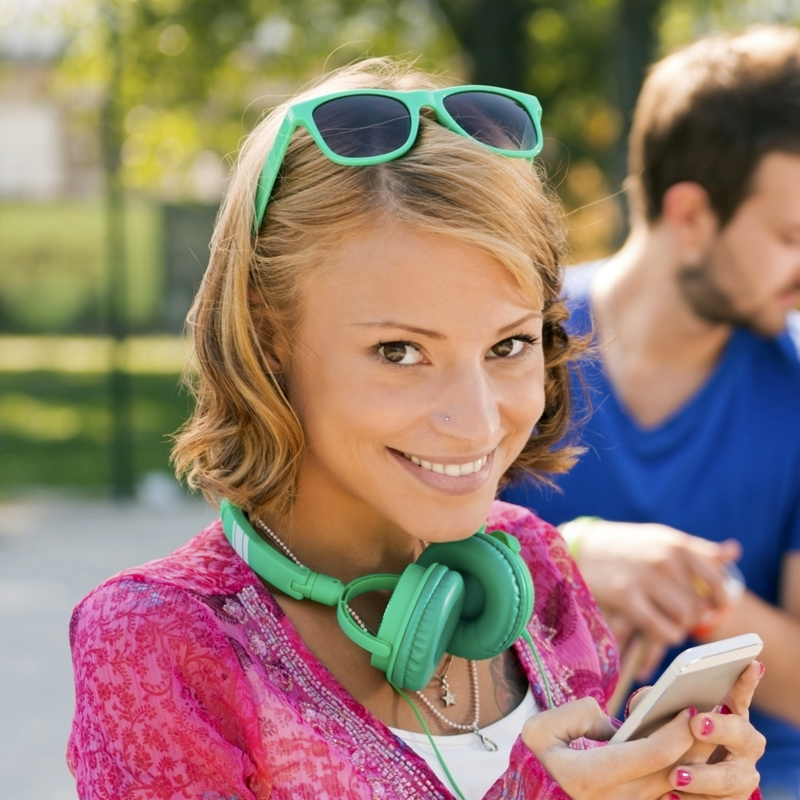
400,353
507,348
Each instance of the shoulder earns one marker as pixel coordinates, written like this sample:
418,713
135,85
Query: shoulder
206,564
518,521
774,362
175,590
163,695
790,340
543,548
570,632
576,293
578,279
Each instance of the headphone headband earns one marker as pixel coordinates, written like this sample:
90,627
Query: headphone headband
296,581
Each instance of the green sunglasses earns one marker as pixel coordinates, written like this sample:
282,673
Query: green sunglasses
371,126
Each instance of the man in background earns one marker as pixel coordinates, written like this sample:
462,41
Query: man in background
694,427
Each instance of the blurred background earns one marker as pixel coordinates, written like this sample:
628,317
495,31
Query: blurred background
119,120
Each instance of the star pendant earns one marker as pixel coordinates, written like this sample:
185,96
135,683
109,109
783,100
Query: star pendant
448,698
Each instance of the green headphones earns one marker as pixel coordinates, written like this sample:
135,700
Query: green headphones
471,598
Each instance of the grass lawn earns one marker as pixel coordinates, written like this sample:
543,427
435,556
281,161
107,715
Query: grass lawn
54,427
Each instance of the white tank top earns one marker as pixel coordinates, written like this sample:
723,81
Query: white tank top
473,767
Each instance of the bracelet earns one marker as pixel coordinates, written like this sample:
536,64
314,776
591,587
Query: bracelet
573,533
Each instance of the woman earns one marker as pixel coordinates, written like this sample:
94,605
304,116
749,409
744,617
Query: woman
375,340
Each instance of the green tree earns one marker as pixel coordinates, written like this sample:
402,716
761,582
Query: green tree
193,77
584,59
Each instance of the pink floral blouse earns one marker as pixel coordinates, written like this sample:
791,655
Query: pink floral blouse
191,683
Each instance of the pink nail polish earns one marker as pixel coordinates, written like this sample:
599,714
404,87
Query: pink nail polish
692,711
708,726
725,710
761,669
616,723
683,778
673,796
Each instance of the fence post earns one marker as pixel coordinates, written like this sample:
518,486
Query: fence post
119,384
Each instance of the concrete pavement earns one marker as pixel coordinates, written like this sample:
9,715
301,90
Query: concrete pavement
52,552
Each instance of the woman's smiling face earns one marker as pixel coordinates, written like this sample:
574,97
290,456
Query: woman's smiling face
417,373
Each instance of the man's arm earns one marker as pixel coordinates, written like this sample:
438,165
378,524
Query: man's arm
779,627
650,578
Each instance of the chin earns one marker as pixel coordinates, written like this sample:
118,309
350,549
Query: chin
767,326
450,524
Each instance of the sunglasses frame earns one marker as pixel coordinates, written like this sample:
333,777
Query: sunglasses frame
302,115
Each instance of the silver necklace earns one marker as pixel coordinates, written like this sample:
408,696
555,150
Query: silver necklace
448,698
279,542
472,727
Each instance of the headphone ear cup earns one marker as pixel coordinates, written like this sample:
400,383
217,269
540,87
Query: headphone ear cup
498,594
419,622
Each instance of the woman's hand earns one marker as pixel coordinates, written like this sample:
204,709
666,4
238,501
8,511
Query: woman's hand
637,770
706,755
721,763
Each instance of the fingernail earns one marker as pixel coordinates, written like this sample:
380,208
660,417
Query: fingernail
673,796
708,726
630,700
684,778
761,669
616,723
724,710
692,711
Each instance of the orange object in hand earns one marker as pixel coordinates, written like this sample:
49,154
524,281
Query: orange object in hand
734,589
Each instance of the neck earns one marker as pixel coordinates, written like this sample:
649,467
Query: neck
657,351
336,536
639,307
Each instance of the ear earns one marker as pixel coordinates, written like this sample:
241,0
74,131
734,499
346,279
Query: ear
686,211
275,361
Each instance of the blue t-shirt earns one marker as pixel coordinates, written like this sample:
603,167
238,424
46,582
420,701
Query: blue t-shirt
725,465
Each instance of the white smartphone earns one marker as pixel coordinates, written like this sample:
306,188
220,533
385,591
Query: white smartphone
700,676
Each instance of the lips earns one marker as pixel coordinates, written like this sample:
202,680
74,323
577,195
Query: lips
457,476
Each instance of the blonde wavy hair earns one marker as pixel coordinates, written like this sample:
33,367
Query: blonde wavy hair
244,440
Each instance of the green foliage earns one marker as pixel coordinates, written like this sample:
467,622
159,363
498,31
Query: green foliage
54,427
569,48
176,84
194,77
190,78
564,47
580,58
53,270
682,21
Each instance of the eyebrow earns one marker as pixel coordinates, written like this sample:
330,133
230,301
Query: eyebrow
435,334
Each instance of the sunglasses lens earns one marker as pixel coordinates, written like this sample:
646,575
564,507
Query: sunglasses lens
493,119
363,125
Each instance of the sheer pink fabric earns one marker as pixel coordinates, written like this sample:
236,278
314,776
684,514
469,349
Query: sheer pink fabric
191,683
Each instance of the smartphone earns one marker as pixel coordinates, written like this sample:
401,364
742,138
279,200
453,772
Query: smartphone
700,676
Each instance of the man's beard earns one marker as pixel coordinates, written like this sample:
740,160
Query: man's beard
711,303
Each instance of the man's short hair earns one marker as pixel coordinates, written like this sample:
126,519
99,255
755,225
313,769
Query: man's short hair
710,112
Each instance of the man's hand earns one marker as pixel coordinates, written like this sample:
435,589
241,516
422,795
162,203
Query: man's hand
653,579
